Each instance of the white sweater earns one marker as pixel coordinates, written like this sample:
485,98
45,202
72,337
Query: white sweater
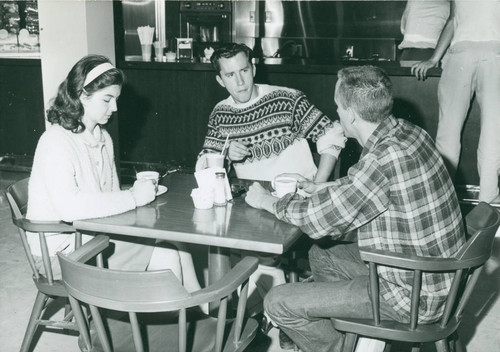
73,177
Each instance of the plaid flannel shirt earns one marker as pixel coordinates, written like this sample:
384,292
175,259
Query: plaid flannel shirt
397,198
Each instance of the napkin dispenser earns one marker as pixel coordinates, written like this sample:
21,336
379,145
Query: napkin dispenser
206,179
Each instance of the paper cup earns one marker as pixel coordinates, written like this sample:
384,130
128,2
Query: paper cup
149,175
284,185
215,160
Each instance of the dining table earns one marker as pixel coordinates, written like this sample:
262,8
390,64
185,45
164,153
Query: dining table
173,217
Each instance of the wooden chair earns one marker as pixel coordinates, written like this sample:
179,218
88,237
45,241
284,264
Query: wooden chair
482,223
48,288
157,306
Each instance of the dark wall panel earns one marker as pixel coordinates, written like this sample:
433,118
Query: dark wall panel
21,106
163,115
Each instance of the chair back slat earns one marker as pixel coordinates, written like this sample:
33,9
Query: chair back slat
467,292
182,330
451,299
415,298
221,323
240,311
47,264
136,332
375,294
100,329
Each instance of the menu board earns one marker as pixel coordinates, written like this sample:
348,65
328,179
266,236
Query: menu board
19,30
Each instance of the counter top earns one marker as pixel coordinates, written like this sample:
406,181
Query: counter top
284,65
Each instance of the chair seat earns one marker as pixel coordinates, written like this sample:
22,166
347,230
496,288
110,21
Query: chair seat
160,332
56,289
396,331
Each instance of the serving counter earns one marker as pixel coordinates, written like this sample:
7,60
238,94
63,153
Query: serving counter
164,107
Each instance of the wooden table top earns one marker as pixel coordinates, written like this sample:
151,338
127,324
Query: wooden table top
172,217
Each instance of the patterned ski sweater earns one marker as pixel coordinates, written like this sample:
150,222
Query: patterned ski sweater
272,122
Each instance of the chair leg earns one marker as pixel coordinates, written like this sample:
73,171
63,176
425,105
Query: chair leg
36,313
349,342
456,344
442,346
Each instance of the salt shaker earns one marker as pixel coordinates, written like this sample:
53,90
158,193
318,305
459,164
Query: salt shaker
220,189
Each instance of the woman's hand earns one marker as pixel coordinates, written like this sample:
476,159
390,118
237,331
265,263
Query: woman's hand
143,191
238,150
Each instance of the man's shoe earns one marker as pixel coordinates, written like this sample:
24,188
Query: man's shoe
286,343
264,324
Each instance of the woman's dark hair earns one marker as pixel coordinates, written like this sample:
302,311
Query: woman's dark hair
66,109
228,51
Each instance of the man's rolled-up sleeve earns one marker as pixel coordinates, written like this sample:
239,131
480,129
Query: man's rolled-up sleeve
333,141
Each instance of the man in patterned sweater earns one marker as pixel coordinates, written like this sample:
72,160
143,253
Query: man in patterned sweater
268,126
398,197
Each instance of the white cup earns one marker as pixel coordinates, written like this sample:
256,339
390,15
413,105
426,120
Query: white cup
284,185
215,160
154,176
171,56
202,198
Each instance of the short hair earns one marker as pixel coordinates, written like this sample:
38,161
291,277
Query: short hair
66,109
367,90
228,51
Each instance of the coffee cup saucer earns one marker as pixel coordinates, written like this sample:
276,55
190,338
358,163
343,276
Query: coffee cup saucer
161,190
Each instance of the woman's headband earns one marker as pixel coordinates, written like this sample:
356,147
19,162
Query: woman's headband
97,71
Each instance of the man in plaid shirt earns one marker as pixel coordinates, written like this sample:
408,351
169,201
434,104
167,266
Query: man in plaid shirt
398,197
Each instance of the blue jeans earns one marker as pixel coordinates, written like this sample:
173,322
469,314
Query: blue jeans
340,289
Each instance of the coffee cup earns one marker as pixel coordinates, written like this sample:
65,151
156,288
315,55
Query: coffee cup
154,176
215,160
284,185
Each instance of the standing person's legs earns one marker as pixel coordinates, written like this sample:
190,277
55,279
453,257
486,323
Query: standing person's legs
454,95
301,310
488,96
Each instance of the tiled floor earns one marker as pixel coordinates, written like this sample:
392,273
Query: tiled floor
480,330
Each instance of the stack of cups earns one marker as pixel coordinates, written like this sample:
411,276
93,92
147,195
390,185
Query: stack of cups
159,46
145,34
